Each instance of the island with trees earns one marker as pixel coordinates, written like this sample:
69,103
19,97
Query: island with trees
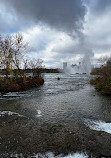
14,64
102,79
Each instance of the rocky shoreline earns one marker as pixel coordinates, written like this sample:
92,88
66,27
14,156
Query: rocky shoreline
19,134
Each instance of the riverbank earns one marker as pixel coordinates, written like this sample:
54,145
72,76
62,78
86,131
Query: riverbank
22,135
102,84
18,84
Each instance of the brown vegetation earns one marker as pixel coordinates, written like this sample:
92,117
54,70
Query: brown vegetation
17,84
103,80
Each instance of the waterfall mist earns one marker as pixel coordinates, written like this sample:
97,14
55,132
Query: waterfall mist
83,66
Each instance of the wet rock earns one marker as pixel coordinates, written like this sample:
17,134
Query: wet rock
27,137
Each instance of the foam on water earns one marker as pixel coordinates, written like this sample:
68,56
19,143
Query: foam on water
76,155
99,126
9,113
38,113
51,155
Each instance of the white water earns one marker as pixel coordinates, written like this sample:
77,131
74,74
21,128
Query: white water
99,126
9,113
39,113
51,155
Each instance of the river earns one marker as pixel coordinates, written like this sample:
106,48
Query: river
70,101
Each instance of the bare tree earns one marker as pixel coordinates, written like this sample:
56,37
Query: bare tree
12,49
6,56
19,47
105,69
103,60
36,66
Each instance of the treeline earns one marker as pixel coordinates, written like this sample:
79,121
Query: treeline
42,70
104,70
102,82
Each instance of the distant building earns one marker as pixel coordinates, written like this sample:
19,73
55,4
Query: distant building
73,65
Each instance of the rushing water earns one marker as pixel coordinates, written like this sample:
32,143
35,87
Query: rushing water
68,100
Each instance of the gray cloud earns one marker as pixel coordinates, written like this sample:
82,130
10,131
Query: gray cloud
91,22
103,4
65,15
99,7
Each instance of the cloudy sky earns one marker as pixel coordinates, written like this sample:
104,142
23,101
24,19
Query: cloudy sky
60,30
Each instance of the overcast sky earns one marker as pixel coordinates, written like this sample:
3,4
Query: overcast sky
60,30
